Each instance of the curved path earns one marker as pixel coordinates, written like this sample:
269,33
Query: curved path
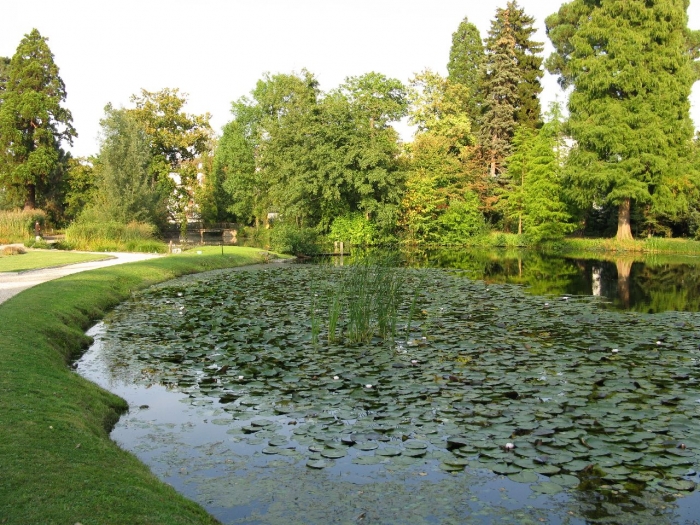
11,283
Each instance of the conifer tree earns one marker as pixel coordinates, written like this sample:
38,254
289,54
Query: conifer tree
33,122
500,78
630,63
464,66
527,57
546,215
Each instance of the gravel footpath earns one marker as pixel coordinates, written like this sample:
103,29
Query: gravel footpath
11,283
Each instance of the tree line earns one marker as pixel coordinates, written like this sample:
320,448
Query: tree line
485,156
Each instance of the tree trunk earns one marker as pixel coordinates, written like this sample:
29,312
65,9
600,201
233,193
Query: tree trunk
624,232
624,268
520,224
30,202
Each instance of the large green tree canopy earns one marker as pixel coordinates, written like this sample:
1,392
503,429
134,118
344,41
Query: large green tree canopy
631,65
33,121
311,156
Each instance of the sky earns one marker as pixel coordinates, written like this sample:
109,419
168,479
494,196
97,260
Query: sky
216,50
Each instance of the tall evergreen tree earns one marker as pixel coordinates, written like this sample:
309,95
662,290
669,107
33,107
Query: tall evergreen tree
464,66
527,57
33,122
630,63
500,79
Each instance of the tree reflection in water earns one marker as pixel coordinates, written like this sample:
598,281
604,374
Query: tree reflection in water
638,283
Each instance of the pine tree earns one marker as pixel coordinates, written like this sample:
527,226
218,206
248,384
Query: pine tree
630,63
33,123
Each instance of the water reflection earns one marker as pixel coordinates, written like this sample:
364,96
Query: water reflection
642,284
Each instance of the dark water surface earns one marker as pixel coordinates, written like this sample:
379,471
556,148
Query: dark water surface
650,283
252,467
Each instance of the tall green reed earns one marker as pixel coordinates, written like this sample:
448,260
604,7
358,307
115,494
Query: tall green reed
365,300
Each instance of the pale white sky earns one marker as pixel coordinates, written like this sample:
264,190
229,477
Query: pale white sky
216,50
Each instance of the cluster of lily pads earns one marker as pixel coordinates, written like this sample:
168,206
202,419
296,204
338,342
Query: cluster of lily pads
477,376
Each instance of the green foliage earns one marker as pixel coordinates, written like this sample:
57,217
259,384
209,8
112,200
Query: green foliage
311,157
631,67
534,194
466,57
234,165
125,191
499,83
33,122
81,179
511,203
110,236
4,76
293,239
18,225
461,221
527,55
354,228
440,106
173,135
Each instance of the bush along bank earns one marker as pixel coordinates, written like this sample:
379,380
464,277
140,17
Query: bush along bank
59,464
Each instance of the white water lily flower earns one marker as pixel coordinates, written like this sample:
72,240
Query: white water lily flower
368,386
615,350
509,446
240,377
336,378
414,361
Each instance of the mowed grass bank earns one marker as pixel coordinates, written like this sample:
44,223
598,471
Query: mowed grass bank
58,464
33,260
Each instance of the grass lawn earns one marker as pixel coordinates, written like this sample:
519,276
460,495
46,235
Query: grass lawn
45,259
58,464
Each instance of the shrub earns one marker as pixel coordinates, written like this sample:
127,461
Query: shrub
38,244
461,221
292,239
354,228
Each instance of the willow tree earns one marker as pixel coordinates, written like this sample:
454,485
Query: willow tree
33,121
630,63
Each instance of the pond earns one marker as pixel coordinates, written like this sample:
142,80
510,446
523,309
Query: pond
260,395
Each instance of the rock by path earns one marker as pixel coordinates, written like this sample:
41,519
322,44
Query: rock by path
11,283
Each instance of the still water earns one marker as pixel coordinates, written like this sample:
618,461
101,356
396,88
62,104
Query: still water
648,284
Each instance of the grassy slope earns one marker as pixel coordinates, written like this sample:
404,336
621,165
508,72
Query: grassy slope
45,259
58,464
